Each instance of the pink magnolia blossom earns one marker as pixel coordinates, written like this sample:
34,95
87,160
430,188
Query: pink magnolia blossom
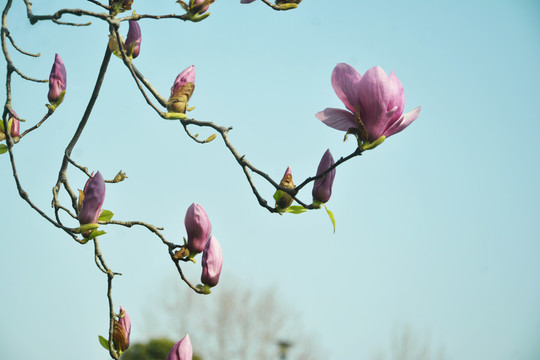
322,188
198,228
57,81
212,262
134,39
203,9
374,103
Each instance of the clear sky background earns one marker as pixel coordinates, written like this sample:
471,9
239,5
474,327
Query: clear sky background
437,228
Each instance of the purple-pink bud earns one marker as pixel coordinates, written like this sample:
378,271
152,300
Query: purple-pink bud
203,9
133,39
322,188
198,228
122,330
125,323
94,195
212,262
57,80
15,123
186,76
182,350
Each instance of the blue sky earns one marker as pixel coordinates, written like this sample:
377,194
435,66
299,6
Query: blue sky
437,228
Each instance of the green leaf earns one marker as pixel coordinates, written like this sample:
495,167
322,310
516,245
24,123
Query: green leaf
175,116
103,342
2,126
277,195
105,215
331,215
84,228
296,209
210,138
95,233
3,148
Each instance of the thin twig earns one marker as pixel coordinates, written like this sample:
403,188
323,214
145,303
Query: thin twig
19,49
49,113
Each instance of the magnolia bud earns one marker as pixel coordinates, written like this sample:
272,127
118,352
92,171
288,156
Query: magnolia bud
13,124
198,228
91,200
182,350
286,200
122,330
57,81
133,41
181,91
203,9
212,262
322,188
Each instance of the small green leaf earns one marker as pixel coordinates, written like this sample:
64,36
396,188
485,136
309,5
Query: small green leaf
210,138
288,6
175,116
331,215
296,209
95,233
277,195
2,126
103,342
3,148
105,215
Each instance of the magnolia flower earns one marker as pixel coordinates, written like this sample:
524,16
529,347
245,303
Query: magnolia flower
13,124
57,81
212,262
198,228
91,199
322,188
374,101
122,330
133,41
181,90
182,350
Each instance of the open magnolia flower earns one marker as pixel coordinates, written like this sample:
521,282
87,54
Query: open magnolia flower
374,103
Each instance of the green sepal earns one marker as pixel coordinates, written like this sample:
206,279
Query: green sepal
94,234
3,148
277,195
105,215
84,228
2,129
191,256
175,116
317,204
295,209
331,215
104,342
184,5
374,144
205,289
288,6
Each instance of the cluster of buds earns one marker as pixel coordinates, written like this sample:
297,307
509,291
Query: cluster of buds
182,350
57,83
132,45
181,91
13,126
200,239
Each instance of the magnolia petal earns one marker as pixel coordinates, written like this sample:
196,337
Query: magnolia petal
337,118
397,95
344,80
403,122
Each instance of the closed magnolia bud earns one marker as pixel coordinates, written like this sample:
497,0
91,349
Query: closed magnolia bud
57,81
182,350
198,228
182,90
287,181
322,188
122,330
13,124
133,41
92,199
212,262
203,9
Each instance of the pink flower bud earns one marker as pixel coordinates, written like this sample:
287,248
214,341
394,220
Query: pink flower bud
182,90
13,124
198,228
57,81
322,188
92,196
133,39
122,330
246,1
212,262
182,350
203,9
